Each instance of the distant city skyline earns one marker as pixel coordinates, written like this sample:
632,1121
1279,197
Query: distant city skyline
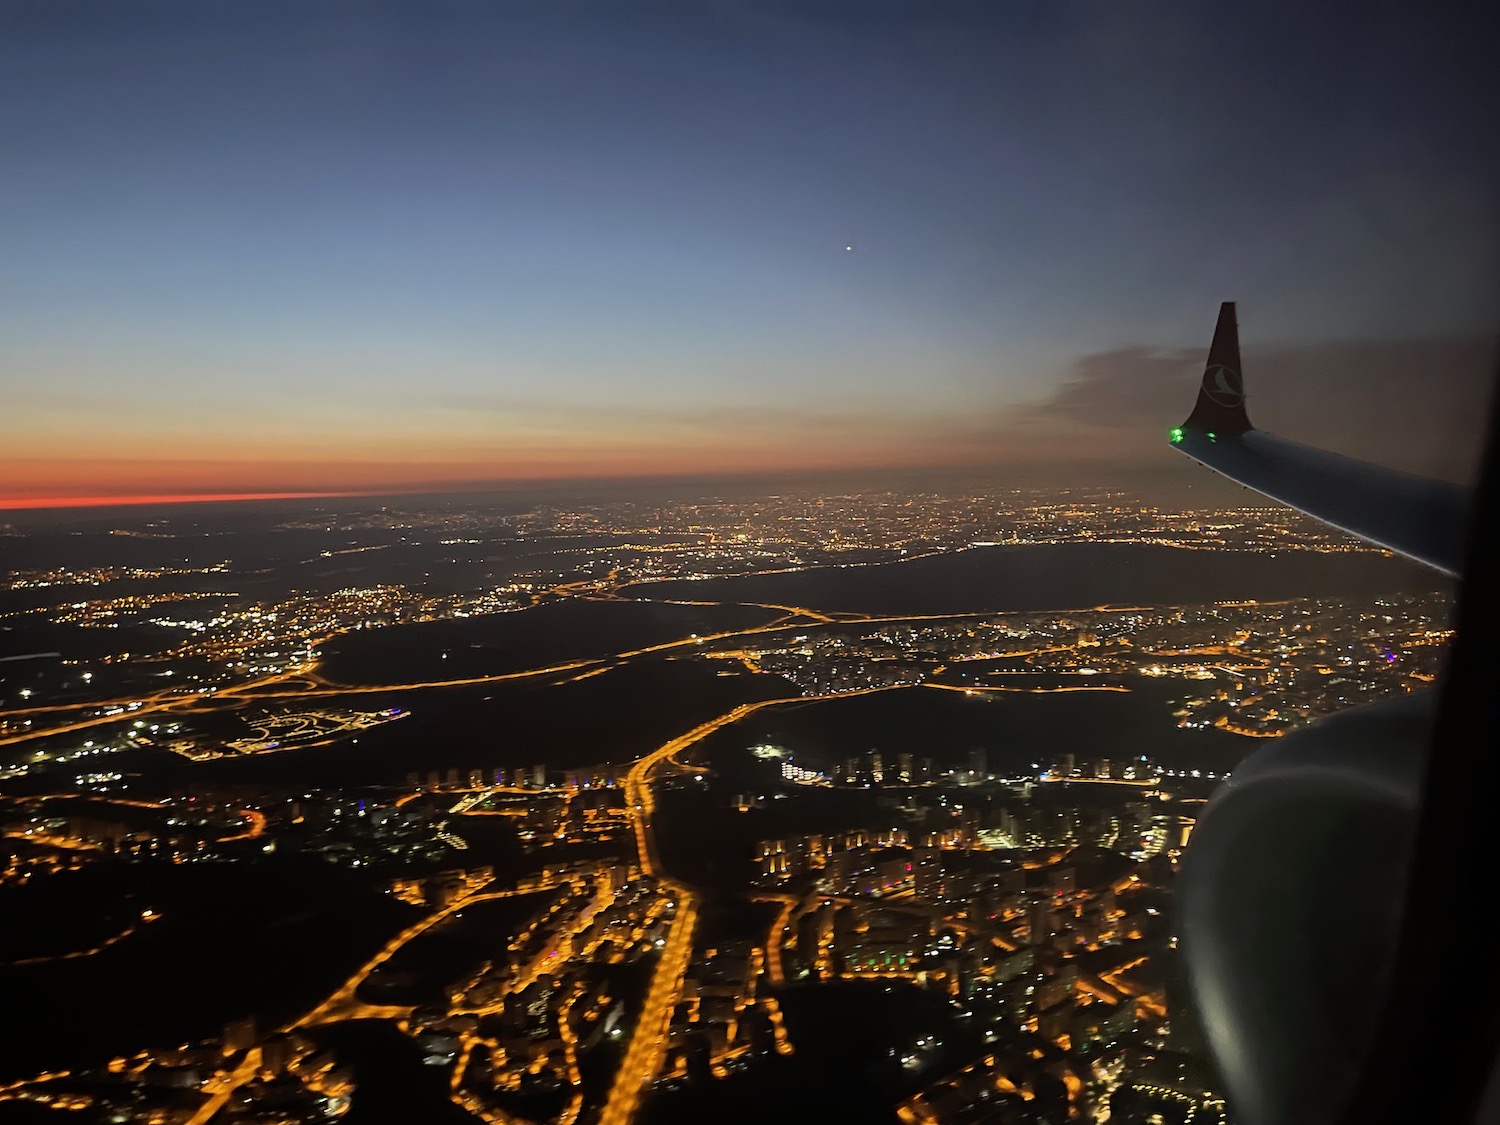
267,249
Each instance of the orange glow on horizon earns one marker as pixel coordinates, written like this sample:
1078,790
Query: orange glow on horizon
45,483
34,483
28,503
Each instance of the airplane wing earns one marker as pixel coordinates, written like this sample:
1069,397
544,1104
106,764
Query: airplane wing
1425,520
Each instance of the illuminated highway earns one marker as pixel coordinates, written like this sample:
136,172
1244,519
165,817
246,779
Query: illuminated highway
343,1004
72,955
221,1086
313,684
983,689
776,935
648,1044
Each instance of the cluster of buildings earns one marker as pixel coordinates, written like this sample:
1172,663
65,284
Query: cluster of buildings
545,807
1122,1086
1129,805
267,638
1138,828
875,768
725,1017
1284,665
520,1030
606,775
820,668
87,829
776,526
344,829
1041,911
1248,667
522,1027
35,579
359,830
83,752
1058,956
1052,960
281,1077
210,640
710,537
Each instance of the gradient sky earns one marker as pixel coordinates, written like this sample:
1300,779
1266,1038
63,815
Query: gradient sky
313,246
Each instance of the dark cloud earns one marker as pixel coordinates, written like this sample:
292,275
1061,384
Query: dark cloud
1418,405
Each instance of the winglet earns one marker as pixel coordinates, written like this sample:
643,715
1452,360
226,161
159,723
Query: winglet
1221,398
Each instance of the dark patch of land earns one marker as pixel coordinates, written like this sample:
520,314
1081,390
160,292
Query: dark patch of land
1063,576
270,940
391,1085
843,1069
616,716
422,970
494,644
1015,730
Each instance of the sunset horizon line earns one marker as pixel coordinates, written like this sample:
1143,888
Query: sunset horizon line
459,487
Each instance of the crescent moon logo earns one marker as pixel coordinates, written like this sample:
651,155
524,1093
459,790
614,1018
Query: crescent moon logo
1221,384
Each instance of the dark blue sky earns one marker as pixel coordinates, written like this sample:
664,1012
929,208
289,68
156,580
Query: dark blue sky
258,245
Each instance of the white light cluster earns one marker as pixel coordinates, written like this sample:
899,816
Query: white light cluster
797,773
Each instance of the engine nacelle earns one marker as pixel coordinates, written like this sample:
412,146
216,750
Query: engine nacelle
1290,905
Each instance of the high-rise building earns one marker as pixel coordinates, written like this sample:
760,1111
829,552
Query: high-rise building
1061,878
978,765
239,1035
838,870
927,872
1039,921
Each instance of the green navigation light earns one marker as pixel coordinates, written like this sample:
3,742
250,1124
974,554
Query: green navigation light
1211,436
1176,434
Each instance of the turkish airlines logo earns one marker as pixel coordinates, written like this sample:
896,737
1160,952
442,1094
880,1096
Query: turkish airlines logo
1222,386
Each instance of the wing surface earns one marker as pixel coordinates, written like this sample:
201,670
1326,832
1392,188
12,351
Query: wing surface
1425,520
